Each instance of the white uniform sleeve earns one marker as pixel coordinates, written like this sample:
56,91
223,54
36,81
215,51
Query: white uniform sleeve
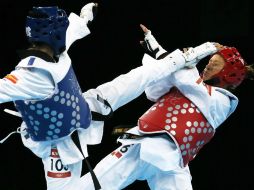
77,29
29,84
129,86
154,92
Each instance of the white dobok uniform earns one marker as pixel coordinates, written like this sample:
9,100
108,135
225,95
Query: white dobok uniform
61,158
157,158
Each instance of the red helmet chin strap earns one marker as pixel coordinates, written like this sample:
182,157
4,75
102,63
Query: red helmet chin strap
234,70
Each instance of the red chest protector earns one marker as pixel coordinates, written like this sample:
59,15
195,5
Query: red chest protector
181,119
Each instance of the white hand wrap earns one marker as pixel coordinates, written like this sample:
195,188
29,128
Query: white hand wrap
194,55
152,42
87,12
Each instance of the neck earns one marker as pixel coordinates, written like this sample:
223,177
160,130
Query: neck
43,48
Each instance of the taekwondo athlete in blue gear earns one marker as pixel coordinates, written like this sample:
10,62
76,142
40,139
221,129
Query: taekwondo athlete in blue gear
45,97
60,114
47,93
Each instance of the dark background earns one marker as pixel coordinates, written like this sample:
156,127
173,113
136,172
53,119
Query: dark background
112,49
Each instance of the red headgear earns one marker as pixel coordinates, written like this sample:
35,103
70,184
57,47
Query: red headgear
234,70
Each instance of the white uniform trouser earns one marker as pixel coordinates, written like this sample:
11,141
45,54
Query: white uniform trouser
123,166
57,175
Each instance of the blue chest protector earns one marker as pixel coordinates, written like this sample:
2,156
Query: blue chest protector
59,115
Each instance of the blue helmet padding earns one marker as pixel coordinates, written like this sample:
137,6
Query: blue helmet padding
48,25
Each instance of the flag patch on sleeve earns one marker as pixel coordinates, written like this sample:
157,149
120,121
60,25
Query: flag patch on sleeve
11,78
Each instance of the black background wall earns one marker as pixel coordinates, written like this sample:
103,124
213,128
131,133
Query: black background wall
112,49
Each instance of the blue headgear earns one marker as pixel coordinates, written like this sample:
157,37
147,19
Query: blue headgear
47,25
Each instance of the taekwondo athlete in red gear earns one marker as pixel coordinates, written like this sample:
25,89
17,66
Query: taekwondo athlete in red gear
183,119
47,95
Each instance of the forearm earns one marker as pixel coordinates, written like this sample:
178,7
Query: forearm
191,57
77,29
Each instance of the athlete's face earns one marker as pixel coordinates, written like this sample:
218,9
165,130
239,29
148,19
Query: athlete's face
215,65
